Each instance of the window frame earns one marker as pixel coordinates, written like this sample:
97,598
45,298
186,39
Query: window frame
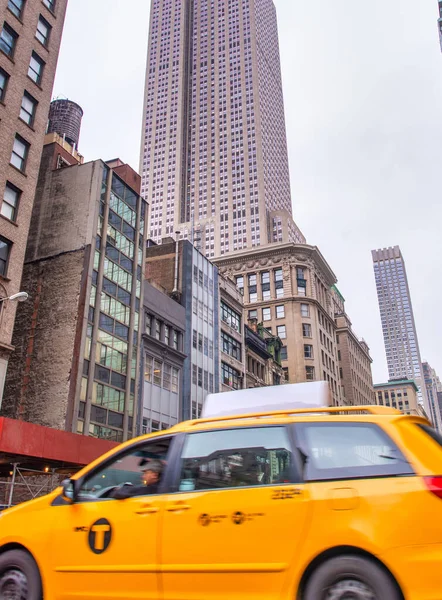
27,145
48,26
15,37
15,208
4,89
350,473
50,5
10,245
38,59
34,103
295,467
20,10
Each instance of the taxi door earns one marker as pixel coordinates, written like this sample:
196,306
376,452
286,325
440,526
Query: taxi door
105,548
238,519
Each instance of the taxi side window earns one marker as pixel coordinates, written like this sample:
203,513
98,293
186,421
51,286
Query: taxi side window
126,469
349,451
236,458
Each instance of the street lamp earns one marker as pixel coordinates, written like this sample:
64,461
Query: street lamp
20,297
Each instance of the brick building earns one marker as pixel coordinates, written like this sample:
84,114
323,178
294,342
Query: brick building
287,289
354,358
30,36
76,365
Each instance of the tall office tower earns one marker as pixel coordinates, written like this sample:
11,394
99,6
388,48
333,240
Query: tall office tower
30,35
398,326
214,158
439,23
434,388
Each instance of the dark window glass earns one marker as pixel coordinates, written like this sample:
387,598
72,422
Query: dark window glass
50,4
98,242
122,331
20,152
115,420
126,263
284,355
109,287
118,186
4,78
230,376
86,368
98,415
43,31
231,346
123,296
118,380
28,109
106,323
115,220
349,451
231,317
112,253
11,199
129,231
102,374
8,40
81,410
236,458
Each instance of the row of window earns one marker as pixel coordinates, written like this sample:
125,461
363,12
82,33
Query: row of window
230,317
163,333
162,374
202,378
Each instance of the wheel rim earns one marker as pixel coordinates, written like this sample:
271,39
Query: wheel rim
350,589
13,585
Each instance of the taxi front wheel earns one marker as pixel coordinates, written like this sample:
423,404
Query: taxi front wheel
19,577
354,577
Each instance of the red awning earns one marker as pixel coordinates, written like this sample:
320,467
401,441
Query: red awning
25,442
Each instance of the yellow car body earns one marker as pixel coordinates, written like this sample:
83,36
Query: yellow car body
205,534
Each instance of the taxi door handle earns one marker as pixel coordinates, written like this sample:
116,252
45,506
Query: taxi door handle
147,510
179,507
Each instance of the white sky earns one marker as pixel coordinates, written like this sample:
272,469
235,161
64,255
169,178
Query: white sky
363,96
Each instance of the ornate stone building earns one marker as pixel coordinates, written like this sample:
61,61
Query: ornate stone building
287,288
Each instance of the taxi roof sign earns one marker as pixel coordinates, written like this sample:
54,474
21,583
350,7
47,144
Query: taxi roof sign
281,397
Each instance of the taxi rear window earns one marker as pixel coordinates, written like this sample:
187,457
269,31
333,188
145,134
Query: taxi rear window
334,451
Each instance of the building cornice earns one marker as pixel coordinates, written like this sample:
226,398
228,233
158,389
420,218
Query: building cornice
263,256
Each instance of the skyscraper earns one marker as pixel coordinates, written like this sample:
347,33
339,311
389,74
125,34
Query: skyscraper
30,36
398,326
434,388
214,150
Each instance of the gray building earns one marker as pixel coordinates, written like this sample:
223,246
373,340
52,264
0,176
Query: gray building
398,326
164,326
232,338
182,271
214,157
78,338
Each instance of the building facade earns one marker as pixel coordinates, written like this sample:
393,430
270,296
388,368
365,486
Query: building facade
30,36
399,394
287,289
163,361
214,158
353,357
232,345
439,23
263,357
398,326
78,339
433,388
189,277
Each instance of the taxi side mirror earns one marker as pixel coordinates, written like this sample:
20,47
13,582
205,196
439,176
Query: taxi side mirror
68,491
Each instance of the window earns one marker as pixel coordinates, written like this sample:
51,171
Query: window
230,317
230,376
236,458
200,342
281,332
148,373
307,330
5,250
310,373
266,314
11,198
175,380
28,109
36,68
240,283
195,339
50,4
349,451
253,314
126,467
167,377
200,377
194,374
157,372
148,324
284,353
279,283
16,7
305,310
167,335
8,40
20,153
4,78
43,31
158,329
230,346
265,285
280,312
308,351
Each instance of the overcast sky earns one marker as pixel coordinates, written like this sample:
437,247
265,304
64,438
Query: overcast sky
363,97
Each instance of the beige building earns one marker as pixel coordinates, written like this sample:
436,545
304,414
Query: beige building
400,394
30,35
287,289
354,358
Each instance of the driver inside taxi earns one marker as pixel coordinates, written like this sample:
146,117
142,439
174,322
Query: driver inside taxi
150,476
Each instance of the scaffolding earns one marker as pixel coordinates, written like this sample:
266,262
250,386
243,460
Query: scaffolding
25,484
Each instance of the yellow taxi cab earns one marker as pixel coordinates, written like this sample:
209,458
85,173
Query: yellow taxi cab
288,504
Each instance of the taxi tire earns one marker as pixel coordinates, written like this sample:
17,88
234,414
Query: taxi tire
346,567
21,560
